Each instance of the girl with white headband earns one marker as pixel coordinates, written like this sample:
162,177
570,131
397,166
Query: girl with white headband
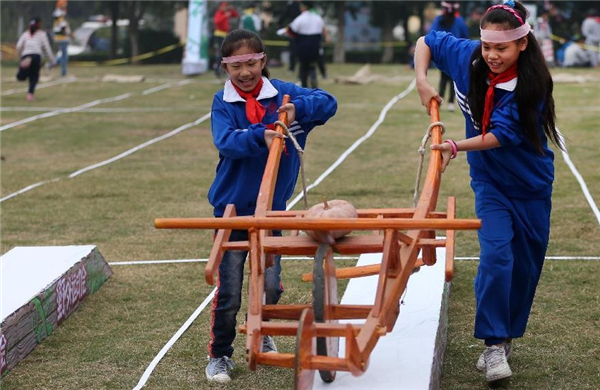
504,89
242,118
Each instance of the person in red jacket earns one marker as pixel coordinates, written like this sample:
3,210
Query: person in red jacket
222,21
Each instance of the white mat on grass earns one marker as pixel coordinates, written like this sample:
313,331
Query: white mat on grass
26,271
403,359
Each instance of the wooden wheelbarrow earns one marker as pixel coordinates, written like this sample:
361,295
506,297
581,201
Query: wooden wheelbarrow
405,234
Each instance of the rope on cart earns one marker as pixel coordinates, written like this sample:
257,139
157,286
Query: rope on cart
422,151
301,155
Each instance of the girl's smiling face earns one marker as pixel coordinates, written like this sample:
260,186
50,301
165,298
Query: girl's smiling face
501,56
245,75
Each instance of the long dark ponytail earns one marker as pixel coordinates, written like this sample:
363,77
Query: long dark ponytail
534,87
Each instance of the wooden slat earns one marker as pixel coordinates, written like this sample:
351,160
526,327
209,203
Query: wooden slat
318,362
242,223
285,360
291,328
216,254
264,201
355,272
284,312
364,213
293,312
450,241
304,245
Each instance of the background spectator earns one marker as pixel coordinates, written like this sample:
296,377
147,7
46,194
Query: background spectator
573,54
590,29
31,47
308,29
61,34
291,12
250,20
450,21
222,22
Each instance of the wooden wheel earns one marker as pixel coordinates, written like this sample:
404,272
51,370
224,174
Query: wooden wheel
305,348
325,295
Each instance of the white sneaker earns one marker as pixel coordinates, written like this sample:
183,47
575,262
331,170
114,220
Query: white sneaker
218,369
496,366
451,107
268,345
507,350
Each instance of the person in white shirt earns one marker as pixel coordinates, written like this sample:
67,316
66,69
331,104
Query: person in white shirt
590,28
308,29
575,54
31,46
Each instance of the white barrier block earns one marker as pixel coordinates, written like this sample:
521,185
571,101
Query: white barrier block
410,356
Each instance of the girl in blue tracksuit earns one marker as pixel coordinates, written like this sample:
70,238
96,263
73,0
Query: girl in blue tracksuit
242,116
504,90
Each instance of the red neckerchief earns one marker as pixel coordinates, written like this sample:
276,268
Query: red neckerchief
495,78
255,111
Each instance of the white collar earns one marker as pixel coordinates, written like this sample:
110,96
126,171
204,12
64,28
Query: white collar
508,85
230,95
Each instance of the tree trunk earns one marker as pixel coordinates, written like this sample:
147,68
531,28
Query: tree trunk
339,52
114,31
387,36
135,11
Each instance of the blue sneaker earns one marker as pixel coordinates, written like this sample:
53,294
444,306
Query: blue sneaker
218,369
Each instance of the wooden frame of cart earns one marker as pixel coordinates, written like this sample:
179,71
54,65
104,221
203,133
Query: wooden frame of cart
399,234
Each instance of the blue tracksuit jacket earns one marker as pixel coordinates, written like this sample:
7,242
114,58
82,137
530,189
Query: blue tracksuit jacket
242,149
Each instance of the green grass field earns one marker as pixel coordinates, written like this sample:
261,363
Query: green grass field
110,340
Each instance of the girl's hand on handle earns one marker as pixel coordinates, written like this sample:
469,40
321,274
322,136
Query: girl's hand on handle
270,135
446,150
426,93
290,108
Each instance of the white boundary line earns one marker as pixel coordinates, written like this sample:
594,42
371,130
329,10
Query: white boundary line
306,258
111,160
97,110
64,111
184,327
584,189
172,341
87,105
356,144
286,258
165,86
40,86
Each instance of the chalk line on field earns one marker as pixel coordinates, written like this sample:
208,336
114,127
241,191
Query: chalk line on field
184,327
165,86
40,86
99,109
172,341
356,144
580,180
175,261
307,258
86,105
64,111
111,160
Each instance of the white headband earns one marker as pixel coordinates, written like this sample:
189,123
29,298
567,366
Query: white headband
242,58
494,36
